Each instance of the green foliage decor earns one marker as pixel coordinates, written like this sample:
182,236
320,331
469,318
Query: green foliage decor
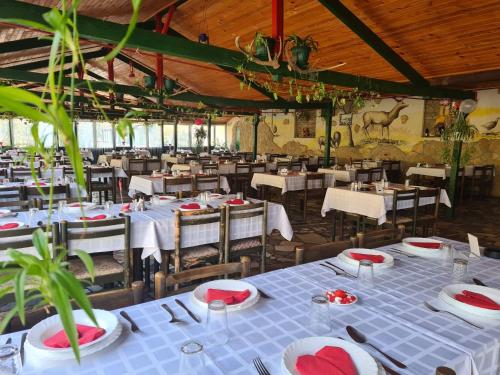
461,130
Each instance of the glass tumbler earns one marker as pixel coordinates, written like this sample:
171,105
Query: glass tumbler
446,254
108,207
239,195
459,271
192,358
319,322
61,207
217,325
32,213
365,274
10,360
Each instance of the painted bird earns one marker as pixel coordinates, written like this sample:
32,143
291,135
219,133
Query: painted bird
491,125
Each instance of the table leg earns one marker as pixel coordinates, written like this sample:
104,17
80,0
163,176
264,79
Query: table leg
147,273
137,269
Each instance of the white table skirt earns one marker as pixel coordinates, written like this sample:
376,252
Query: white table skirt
288,183
369,203
345,176
442,172
154,185
391,315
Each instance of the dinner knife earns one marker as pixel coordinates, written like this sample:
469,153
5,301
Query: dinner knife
193,316
21,350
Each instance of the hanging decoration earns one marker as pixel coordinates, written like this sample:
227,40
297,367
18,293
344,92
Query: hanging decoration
203,37
131,73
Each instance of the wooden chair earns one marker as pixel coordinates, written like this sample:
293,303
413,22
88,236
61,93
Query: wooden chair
107,268
163,284
395,173
487,180
199,181
41,194
314,188
380,237
136,167
475,181
307,254
205,159
295,165
5,164
101,180
152,165
362,175
396,218
242,177
4,172
186,256
213,167
254,245
426,217
181,186
282,164
22,173
375,174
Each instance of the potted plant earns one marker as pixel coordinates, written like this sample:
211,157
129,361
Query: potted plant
149,82
301,49
199,134
261,44
169,85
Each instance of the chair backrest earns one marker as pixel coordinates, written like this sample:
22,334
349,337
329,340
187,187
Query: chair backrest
477,172
211,166
381,237
153,165
23,172
315,181
200,180
163,284
405,199
362,175
295,165
5,164
257,168
488,172
375,174
430,193
205,159
304,160
21,239
178,185
11,193
242,168
306,254
42,193
136,165
387,165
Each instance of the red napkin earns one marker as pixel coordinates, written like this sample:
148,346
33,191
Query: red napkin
477,299
373,258
165,198
40,184
328,361
75,205
191,206
9,226
125,207
426,245
230,297
86,334
98,217
235,201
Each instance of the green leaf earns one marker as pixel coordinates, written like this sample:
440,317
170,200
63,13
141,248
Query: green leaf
41,243
20,281
87,261
7,318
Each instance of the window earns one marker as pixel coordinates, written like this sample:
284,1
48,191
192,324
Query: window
168,134
140,134
122,142
183,135
5,131
21,132
154,135
219,135
85,134
104,135
45,133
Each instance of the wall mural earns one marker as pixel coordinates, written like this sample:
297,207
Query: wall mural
437,116
382,119
305,124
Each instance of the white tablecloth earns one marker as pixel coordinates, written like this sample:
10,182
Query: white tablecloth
345,176
87,154
369,203
391,315
442,172
153,185
288,183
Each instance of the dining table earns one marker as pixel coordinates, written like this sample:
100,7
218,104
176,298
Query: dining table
391,315
346,175
292,181
440,172
371,203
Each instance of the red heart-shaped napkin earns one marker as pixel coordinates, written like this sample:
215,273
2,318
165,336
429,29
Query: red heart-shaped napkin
477,299
9,226
373,258
39,184
86,334
426,245
191,206
328,361
235,201
230,297
98,217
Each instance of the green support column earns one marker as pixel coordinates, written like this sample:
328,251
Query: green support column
162,137
175,134
256,119
209,135
328,135
452,187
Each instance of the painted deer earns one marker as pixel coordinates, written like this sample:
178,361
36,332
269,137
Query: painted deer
382,118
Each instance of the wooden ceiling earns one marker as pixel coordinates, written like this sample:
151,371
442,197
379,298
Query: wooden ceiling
441,39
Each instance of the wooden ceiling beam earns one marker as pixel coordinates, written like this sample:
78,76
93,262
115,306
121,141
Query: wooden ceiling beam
373,40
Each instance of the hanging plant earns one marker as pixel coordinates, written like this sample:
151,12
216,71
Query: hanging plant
301,49
461,130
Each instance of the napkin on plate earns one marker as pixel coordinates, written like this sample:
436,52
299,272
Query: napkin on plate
230,297
373,258
235,201
39,183
191,206
9,226
98,217
426,245
477,299
86,334
330,360
166,198
75,205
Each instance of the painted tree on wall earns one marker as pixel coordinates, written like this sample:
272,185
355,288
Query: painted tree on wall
348,107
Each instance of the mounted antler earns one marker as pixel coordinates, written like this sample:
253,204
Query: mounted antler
292,65
272,62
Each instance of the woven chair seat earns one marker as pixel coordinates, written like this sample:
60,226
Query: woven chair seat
198,254
246,243
103,265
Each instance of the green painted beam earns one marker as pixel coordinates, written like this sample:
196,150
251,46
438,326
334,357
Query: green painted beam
44,63
373,40
24,44
109,32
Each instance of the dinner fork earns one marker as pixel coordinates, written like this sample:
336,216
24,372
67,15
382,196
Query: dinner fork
134,327
432,308
261,369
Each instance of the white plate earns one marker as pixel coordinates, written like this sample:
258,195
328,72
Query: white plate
52,325
364,363
448,292
107,217
198,295
4,212
21,224
202,207
84,205
166,199
420,251
346,257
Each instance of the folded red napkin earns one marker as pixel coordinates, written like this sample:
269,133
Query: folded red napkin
39,183
165,198
477,299
86,334
9,226
191,206
125,207
328,361
373,258
426,245
235,201
230,297
98,217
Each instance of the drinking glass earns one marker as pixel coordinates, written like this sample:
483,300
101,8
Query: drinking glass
407,183
32,213
61,207
108,207
10,360
217,325
446,254
239,195
192,358
319,322
365,274
459,271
